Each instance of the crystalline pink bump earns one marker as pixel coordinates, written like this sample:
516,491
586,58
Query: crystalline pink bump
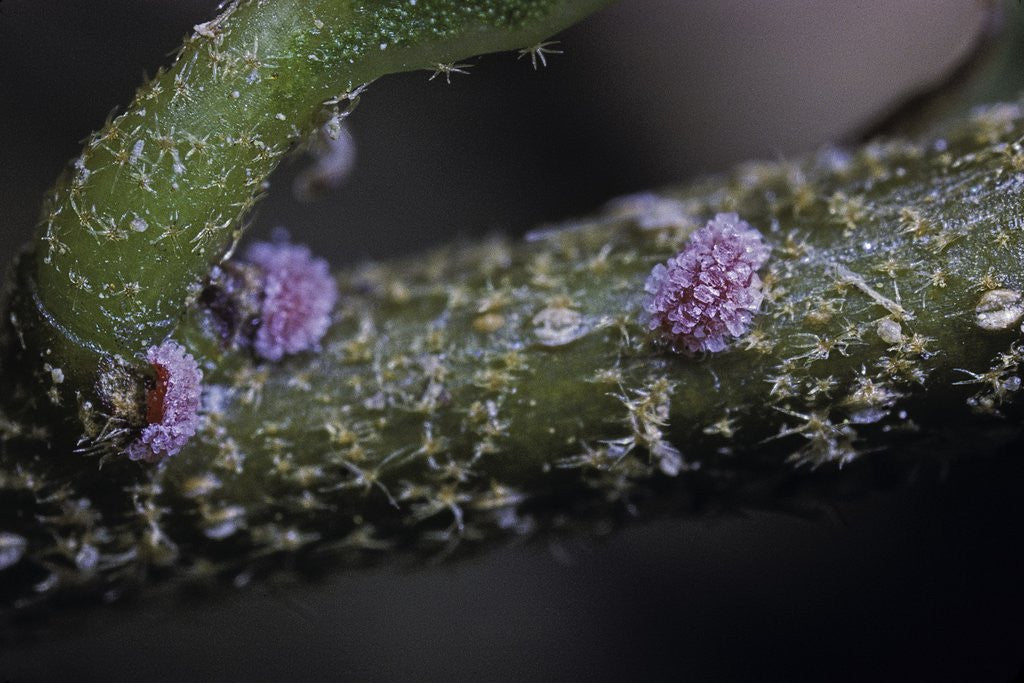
299,295
708,292
171,406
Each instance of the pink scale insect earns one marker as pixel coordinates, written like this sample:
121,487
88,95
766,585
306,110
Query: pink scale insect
172,404
299,295
708,293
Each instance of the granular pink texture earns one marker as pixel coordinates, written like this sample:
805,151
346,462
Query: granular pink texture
710,290
171,406
299,295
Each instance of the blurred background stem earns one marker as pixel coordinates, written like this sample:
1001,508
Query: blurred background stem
991,71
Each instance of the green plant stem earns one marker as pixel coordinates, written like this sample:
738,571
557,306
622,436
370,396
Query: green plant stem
158,195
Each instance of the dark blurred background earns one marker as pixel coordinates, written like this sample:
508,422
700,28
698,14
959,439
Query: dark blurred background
921,581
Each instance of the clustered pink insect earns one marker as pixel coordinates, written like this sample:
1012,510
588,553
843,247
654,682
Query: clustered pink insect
710,290
298,297
172,404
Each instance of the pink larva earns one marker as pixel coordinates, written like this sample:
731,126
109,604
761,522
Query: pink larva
172,404
299,295
709,292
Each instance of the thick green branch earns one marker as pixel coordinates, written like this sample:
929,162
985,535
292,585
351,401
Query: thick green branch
485,391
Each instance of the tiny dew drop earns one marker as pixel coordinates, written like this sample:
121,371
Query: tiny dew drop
87,557
999,309
12,549
889,331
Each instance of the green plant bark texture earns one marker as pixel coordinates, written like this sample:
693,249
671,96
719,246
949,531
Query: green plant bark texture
158,195
489,390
